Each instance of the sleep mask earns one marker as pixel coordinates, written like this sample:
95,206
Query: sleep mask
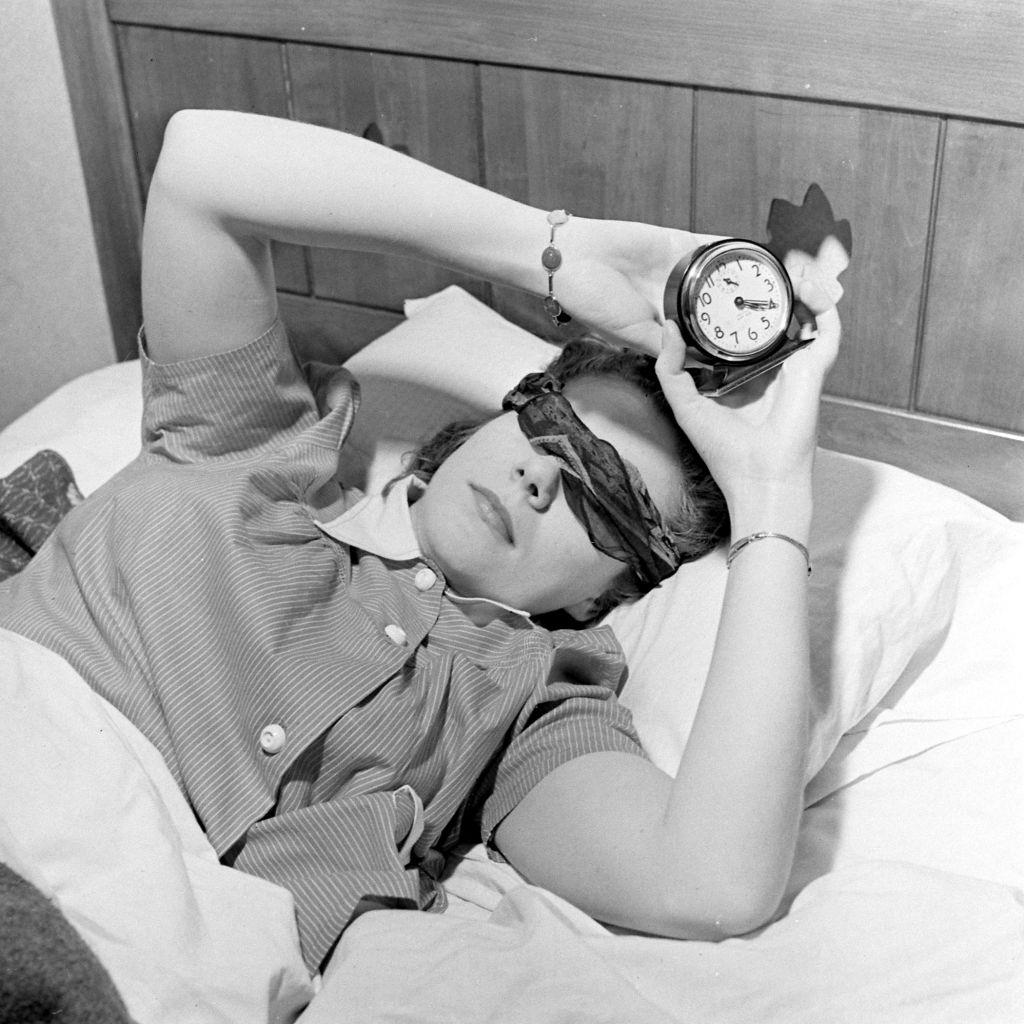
613,506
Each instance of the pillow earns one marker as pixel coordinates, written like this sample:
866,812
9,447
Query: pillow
452,358
899,561
93,421
888,547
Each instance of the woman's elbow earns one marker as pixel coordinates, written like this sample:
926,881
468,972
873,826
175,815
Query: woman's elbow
197,146
728,911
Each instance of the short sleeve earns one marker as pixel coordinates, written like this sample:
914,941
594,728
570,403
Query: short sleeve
572,713
230,404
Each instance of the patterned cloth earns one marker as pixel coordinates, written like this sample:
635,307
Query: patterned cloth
612,504
327,710
33,500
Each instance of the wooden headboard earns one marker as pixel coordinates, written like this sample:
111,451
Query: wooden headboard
696,114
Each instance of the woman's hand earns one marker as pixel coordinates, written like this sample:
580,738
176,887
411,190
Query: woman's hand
613,276
762,436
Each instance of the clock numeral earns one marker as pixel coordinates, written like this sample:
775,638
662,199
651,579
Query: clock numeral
767,323
719,333
752,334
705,297
705,318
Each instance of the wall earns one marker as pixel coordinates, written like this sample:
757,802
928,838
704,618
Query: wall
53,315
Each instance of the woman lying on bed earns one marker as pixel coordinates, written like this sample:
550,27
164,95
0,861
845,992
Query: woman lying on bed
343,687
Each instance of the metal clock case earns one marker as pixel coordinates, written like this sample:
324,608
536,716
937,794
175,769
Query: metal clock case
733,301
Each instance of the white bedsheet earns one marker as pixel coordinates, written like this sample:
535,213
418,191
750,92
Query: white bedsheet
92,817
908,900
909,909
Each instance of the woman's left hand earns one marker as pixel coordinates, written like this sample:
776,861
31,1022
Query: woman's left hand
613,276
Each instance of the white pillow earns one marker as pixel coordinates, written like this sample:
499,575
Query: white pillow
452,358
93,421
888,547
897,560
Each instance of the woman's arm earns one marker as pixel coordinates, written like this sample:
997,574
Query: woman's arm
708,853
227,184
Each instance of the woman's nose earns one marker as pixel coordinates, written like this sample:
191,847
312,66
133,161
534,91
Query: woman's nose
539,476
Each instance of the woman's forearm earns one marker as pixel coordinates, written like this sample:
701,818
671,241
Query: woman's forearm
228,183
310,185
743,769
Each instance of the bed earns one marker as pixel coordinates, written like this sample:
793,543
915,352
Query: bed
905,902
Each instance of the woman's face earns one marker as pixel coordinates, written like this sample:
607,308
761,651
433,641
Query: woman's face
496,522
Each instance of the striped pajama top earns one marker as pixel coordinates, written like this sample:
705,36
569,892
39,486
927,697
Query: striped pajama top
335,717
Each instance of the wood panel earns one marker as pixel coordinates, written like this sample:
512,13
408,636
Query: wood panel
876,168
104,143
596,146
973,361
426,108
165,71
782,92
944,56
987,465
330,332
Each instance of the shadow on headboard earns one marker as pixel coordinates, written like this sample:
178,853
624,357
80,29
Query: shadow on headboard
910,118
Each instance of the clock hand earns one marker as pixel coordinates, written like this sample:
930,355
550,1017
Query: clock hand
755,303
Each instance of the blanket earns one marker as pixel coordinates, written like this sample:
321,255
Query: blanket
33,500
46,971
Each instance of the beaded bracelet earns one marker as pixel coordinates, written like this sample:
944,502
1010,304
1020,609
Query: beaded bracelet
551,259
764,535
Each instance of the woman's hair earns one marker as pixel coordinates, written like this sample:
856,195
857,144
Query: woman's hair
699,518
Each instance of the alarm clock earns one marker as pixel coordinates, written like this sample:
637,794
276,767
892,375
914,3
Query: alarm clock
733,302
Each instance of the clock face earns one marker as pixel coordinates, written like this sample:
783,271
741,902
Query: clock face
736,301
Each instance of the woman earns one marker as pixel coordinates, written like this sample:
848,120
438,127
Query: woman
342,687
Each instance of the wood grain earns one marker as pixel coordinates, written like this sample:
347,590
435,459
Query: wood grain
988,465
973,359
942,56
426,108
330,332
104,143
164,71
556,104
876,168
596,146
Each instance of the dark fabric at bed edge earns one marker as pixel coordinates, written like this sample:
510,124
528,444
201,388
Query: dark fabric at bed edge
33,500
47,973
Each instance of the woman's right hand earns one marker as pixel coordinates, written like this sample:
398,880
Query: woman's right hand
762,437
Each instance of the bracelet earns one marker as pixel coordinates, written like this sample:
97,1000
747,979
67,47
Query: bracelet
551,259
763,535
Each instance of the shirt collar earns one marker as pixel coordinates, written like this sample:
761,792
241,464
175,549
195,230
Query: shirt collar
382,525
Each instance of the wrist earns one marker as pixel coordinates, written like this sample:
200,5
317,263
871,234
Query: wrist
782,508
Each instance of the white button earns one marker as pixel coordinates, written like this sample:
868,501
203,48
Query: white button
396,635
272,739
425,579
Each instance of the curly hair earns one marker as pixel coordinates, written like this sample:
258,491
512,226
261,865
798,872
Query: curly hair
698,519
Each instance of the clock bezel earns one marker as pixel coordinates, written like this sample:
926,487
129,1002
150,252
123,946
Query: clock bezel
684,286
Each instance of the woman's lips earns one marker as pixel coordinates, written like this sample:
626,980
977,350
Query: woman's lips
493,513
